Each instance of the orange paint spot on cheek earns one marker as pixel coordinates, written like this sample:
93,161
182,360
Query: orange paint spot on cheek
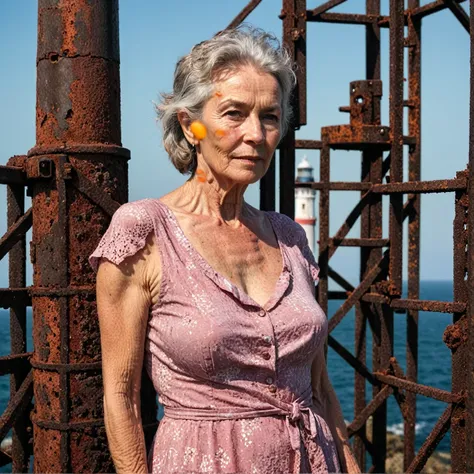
201,179
198,130
218,94
199,171
220,133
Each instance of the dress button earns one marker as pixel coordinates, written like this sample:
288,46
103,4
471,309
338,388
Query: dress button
262,313
267,339
266,356
269,380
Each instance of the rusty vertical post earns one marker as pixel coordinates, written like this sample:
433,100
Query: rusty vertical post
294,38
458,345
470,279
414,174
17,279
78,139
371,227
396,130
323,260
267,188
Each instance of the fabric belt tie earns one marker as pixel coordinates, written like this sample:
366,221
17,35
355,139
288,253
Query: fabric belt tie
298,414
295,418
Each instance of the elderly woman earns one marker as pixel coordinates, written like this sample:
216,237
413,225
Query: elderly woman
215,295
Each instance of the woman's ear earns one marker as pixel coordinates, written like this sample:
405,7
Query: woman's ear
185,123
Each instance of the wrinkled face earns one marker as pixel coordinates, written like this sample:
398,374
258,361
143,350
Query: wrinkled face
243,122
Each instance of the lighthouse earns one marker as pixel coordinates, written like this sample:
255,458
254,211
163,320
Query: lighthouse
304,201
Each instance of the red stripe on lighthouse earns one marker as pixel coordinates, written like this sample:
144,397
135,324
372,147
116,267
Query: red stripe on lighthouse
305,221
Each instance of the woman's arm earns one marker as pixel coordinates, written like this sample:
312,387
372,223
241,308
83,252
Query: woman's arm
325,397
123,301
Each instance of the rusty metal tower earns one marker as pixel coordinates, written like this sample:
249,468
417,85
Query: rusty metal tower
76,176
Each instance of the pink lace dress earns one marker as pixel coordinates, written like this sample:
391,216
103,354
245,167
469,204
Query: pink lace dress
234,377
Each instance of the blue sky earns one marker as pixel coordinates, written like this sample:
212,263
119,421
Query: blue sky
153,35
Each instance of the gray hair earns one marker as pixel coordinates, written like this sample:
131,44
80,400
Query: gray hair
195,73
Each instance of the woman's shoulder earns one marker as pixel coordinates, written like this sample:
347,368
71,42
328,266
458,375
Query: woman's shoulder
289,231
127,233
134,213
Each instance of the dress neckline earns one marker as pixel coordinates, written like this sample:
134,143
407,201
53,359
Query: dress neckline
281,284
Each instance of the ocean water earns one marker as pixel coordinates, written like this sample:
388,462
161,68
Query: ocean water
434,362
434,367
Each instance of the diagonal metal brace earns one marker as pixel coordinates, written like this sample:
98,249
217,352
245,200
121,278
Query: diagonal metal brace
459,13
16,232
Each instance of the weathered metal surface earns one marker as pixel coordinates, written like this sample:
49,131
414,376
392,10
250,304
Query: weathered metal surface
15,233
18,301
468,371
78,151
378,295
12,175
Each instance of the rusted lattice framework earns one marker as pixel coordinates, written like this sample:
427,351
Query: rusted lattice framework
379,292
77,176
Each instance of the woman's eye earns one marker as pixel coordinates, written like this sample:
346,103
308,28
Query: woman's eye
234,113
272,117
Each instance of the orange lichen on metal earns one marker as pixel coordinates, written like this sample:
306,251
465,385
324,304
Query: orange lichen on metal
198,130
201,179
199,171
218,94
220,133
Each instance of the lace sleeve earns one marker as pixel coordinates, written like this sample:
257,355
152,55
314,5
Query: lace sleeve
125,236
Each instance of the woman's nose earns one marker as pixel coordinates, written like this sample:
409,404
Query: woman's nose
254,131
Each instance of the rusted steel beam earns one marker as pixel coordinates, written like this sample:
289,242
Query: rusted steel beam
416,305
371,276
430,392
268,188
15,232
342,18
294,39
412,187
17,404
367,242
437,434
459,12
246,11
429,305
309,144
456,335
430,8
396,136
369,410
324,249
15,363
371,230
339,186
294,16
326,6
352,361
414,174
470,266
12,175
